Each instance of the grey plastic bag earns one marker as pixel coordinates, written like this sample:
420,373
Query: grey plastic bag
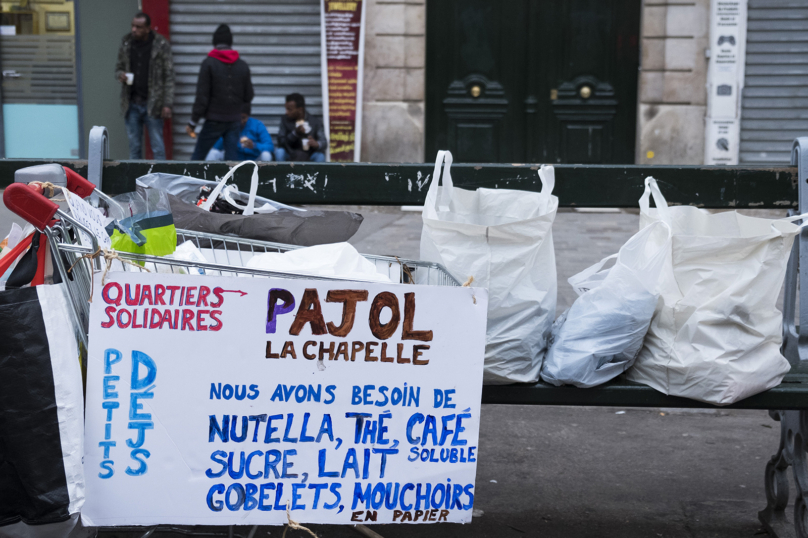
263,219
187,189
601,334
290,226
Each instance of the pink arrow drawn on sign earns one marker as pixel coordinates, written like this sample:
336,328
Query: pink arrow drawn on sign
243,293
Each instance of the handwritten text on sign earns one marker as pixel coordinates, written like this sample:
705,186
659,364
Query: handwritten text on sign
225,400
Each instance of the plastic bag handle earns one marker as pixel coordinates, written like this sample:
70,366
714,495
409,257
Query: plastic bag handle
589,271
547,177
651,188
77,184
249,209
30,205
442,195
15,253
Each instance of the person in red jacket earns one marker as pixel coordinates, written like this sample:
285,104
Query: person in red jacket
223,88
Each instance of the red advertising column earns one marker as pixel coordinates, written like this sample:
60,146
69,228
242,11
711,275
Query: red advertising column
343,29
158,11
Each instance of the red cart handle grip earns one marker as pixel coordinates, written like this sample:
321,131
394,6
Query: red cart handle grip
77,184
29,204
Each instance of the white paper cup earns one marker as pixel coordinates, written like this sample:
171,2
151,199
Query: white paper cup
130,78
305,144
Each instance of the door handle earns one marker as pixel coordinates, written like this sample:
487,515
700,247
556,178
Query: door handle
11,74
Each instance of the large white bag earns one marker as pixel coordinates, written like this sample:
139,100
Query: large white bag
503,238
339,260
717,333
601,334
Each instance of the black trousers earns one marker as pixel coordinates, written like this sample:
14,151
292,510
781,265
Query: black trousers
211,132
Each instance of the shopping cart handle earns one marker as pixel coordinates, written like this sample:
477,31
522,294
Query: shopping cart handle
77,184
29,204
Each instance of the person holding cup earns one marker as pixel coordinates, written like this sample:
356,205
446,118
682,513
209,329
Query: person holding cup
145,69
301,136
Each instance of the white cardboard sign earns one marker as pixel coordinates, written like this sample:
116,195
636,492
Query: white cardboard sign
219,401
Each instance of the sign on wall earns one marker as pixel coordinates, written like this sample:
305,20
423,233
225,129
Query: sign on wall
343,33
223,401
725,77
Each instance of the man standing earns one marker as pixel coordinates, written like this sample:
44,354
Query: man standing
223,88
145,69
255,144
301,137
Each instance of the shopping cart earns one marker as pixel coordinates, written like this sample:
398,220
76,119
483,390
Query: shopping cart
224,255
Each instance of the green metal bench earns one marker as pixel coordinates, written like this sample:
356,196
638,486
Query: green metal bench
576,186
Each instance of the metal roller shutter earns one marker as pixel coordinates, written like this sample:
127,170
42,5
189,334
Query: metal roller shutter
775,97
279,40
42,69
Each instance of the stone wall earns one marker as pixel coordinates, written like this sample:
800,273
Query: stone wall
673,78
393,90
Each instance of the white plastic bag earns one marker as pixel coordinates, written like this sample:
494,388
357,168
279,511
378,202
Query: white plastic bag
601,334
503,238
716,334
334,260
187,189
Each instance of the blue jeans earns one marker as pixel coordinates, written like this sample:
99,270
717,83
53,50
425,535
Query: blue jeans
218,155
282,155
136,116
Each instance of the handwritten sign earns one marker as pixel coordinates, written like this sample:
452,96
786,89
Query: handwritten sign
222,401
90,218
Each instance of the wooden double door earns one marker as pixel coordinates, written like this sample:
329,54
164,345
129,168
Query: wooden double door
544,81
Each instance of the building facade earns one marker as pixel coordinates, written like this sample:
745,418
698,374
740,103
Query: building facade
578,81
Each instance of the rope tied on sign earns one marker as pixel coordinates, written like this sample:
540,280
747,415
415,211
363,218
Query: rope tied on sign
47,189
406,270
294,525
467,284
109,257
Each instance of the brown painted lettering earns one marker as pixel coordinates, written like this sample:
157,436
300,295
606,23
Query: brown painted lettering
309,312
356,347
417,351
384,357
443,514
355,516
342,349
382,300
397,514
371,515
409,315
418,513
407,517
369,352
433,514
329,350
288,349
348,298
271,355
400,358
306,350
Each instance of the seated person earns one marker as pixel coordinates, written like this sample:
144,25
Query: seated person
255,144
301,136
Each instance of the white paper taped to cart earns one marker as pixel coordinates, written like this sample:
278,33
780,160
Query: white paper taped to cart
90,217
220,400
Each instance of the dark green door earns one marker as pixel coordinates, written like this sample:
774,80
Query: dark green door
532,80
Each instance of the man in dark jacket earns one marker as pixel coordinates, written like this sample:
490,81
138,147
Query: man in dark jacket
145,69
301,136
223,88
